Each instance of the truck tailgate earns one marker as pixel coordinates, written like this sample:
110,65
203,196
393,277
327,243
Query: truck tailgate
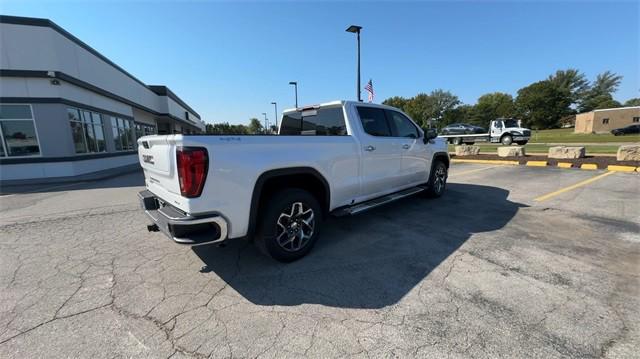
157,158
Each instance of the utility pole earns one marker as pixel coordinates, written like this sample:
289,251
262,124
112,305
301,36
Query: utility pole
295,84
276,113
356,30
266,123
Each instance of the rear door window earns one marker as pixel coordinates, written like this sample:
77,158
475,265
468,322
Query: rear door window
374,121
327,121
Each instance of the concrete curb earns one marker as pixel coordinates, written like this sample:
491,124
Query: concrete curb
488,162
623,168
537,163
589,166
92,176
584,166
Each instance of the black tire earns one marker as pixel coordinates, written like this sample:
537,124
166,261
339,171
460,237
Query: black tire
522,143
506,140
457,141
437,184
284,239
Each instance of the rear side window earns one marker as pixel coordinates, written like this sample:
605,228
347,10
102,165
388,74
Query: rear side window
327,121
401,126
374,121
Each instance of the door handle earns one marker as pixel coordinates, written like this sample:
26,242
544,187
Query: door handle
369,148
406,147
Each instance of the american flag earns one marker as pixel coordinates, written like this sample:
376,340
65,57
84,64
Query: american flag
369,88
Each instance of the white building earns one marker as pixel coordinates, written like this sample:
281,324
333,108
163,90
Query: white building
66,111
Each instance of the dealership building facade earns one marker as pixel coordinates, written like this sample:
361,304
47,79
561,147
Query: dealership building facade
68,112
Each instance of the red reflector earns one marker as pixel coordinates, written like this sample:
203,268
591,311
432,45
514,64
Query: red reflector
193,164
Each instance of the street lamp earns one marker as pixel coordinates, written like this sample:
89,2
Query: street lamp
295,84
266,124
276,113
356,30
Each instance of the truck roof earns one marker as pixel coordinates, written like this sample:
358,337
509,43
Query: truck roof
334,103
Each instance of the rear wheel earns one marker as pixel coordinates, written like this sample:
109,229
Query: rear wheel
506,140
437,180
289,227
457,141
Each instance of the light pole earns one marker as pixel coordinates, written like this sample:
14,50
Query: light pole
275,105
356,30
266,124
295,84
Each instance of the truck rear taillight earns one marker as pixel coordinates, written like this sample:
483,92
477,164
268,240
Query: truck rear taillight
193,164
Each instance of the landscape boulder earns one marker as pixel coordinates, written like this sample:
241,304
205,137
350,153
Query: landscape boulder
510,151
566,152
628,153
465,150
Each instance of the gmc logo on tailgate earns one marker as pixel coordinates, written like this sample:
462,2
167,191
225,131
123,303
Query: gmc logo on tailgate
148,159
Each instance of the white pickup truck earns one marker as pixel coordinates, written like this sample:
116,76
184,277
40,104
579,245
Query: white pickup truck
338,158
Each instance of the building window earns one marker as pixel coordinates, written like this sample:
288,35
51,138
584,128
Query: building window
605,121
636,119
17,131
144,130
123,134
86,130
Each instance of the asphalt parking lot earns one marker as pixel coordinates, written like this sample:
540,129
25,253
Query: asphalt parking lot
507,264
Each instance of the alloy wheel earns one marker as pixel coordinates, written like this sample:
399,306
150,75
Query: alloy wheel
440,179
295,226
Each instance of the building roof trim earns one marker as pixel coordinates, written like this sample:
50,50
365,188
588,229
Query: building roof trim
616,108
32,21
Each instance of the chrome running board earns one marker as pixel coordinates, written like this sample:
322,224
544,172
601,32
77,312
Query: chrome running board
373,203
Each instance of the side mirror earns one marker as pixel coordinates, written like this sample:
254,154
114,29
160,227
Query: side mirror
430,134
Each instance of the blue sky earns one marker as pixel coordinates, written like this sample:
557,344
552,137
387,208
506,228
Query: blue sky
230,60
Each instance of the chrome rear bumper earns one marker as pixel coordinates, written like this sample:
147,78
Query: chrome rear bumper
181,227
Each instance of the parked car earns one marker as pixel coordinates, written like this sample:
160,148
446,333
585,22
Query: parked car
338,158
632,129
461,129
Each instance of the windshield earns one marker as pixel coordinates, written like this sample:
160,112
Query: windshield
510,123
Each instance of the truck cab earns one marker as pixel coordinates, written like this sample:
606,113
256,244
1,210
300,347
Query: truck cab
508,131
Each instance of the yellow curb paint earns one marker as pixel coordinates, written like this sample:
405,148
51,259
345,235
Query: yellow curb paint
537,163
572,187
472,171
487,162
621,168
589,166
564,164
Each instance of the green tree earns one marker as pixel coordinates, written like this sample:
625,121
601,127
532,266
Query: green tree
597,102
255,126
600,95
632,102
542,104
424,107
460,113
572,80
397,102
491,106
225,128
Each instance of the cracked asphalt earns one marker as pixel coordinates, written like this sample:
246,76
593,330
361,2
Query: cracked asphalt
485,271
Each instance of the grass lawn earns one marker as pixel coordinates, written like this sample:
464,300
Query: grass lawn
539,148
566,135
